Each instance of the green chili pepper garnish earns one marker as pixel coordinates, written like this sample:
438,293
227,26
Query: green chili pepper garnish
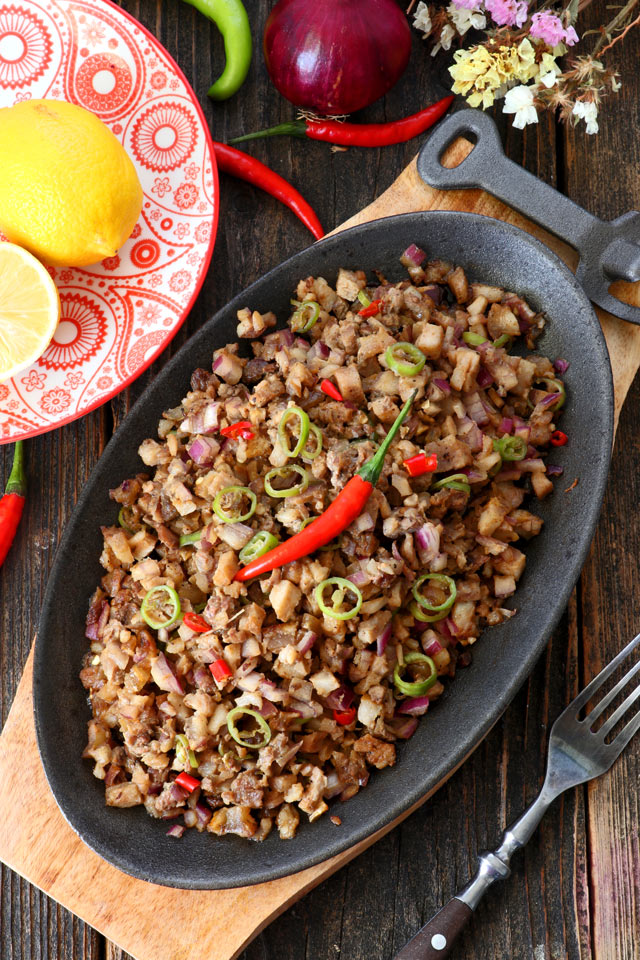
283,472
305,316
283,437
395,359
122,520
309,455
245,737
363,298
473,339
188,538
503,341
510,448
184,752
559,389
435,607
418,687
259,544
153,602
237,493
457,481
232,21
423,617
337,598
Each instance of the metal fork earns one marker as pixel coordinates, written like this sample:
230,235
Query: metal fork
577,753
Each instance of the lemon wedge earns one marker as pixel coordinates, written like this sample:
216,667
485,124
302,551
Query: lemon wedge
29,309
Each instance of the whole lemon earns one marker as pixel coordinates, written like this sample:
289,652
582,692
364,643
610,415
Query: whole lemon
68,191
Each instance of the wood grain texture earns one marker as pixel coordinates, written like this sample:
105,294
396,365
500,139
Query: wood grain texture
571,896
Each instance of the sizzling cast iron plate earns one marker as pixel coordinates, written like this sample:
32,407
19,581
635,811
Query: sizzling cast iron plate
490,251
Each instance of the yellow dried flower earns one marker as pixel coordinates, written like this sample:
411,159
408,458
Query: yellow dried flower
480,74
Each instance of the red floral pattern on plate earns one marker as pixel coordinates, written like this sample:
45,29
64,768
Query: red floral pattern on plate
119,314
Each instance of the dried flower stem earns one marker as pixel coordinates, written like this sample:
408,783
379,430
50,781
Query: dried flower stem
615,23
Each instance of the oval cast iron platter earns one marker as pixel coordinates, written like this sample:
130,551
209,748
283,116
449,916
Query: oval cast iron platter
490,251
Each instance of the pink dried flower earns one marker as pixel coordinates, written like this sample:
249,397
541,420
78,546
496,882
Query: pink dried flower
546,26
570,36
507,13
467,4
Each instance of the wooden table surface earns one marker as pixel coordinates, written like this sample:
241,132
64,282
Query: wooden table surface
575,892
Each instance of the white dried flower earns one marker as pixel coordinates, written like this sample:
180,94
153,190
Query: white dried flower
519,101
422,20
587,112
465,19
446,36
549,79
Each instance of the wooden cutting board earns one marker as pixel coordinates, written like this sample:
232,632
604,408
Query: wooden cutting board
138,916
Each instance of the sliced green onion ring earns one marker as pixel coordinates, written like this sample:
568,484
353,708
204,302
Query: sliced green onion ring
559,389
188,538
122,520
435,607
245,737
503,341
152,602
283,472
300,323
473,339
303,435
238,492
418,687
457,481
337,598
423,617
262,542
184,751
510,448
363,298
395,354
310,455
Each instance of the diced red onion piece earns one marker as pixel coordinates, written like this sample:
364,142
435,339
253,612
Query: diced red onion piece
452,627
415,707
443,385
163,675
523,324
434,291
532,466
210,417
413,256
334,786
203,450
340,699
484,378
203,813
286,337
506,425
406,729
176,793
305,710
269,691
267,709
553,470
548,400
434,646
250,683
561,365
359,579
175,831
307,642
476,409
383,640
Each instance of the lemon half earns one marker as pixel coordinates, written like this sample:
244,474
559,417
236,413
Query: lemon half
69,192
29,309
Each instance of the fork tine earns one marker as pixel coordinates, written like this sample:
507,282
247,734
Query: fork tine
610,697
619,713
625,735
585,695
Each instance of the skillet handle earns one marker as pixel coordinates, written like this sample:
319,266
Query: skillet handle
488,168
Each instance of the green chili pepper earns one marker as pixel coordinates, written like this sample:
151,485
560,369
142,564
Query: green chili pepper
418,687
435,607
309,456
473,339
282,472
122,520
259,544
559,389
363,298
423,617
337,598
236,517
304,431
297,321
510,448
230,17
184,752
244,737
394,359
503,341
188,538
457,481
152,602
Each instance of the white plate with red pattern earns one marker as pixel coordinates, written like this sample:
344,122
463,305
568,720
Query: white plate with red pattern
118,315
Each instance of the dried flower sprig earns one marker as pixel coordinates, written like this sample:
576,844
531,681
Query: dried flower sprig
517,59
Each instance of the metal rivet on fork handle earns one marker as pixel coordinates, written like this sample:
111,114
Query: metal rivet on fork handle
609,250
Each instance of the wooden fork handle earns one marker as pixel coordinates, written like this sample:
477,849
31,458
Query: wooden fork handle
436,939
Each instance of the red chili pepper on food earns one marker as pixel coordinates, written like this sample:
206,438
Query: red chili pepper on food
243,429
187,782
344,717
358,134
220,669
371,310
420,464
241,165
195,622
558,438
337,517
13,501
331,390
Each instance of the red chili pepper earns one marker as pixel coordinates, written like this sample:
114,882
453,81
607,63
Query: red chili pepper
243,429
195,622
337,517
344,717
221,670
558,438
187,782
371,310
359,134
241,165
331,390
420,464
13,501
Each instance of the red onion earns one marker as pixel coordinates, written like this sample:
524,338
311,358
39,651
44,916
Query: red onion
413,256
333,57
267,709
163,675
443,385
406,728
415,707
383,640
484,378
561,365
305,710
434,646
553,470
506,425
202,450
471,433
428,543
433,291
269,691
97,621
476,410
340,699
308,639
360,578
204,814
319,349
334,786
176,830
